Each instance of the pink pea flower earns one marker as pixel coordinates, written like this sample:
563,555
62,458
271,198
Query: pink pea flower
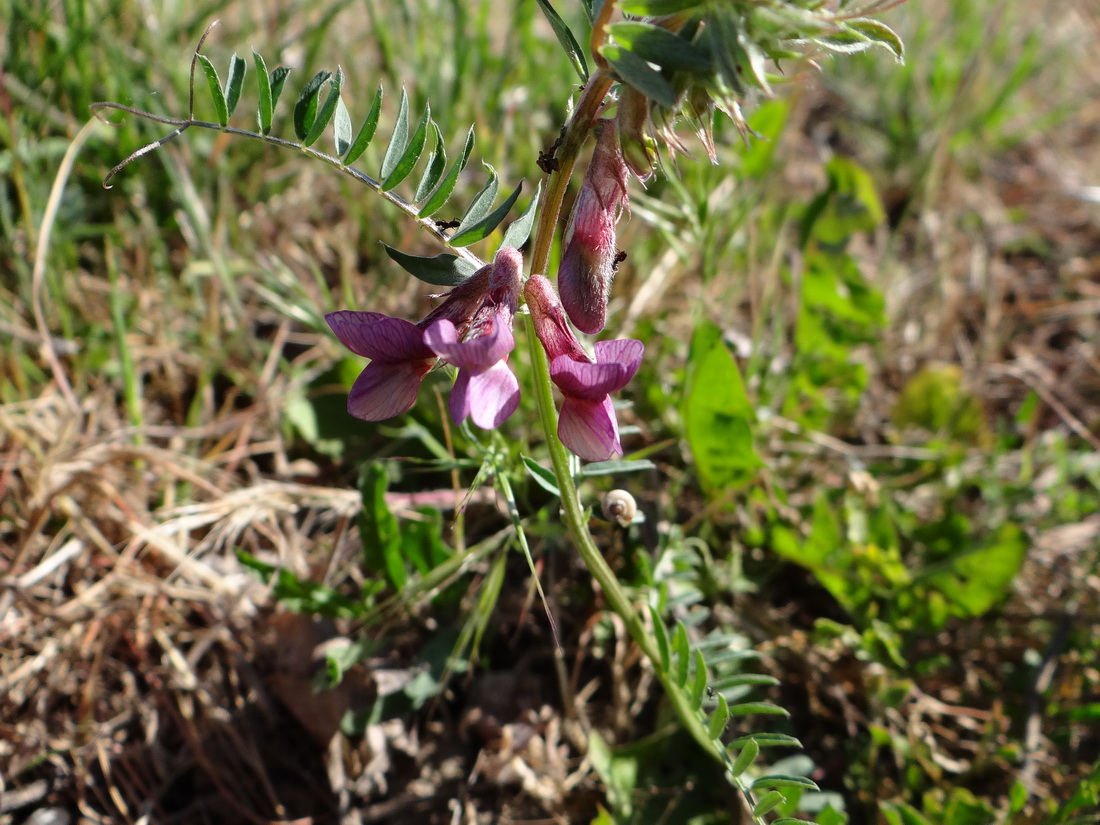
588,262
485,389
587,425
400,359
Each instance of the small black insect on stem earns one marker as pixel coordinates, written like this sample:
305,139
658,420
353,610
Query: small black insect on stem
547,161
444,225
619,258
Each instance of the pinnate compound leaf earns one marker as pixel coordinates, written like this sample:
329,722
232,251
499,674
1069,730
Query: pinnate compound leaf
433,170
661,635
264,107
233,83
744,759
779,780
654,8
635,72
519,231
366,131
411,154
768,802
328,110
566,38
341,128
442,270
398,140
447,185
659,46
305,110
482,203
215,84
718,718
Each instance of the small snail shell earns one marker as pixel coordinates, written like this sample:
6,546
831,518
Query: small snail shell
619,505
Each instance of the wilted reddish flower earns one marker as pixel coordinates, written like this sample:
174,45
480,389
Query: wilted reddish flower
588,262
587,425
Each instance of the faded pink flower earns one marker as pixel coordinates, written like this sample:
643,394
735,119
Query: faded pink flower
588,262
587,425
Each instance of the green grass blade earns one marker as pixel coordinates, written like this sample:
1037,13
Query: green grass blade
215,84
327,110
233,83
398,140
366,131
411,154
305,110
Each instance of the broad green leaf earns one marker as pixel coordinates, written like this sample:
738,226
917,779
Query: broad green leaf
748,755
615,467
447,185
682,651
519,230
767,708
233,82
718,416
542,476
566,38
264,109
635,72
399,139
328,110
718,719
305,110
341,128
661,635
379,532
768,802
444,269
848,205
215,85
433,170
659,46
656,8
977,578
784,781
411,154
366,131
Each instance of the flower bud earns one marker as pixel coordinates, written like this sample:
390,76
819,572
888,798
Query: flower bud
588,263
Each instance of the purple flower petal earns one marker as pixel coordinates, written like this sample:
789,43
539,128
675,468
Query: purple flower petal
374,335
493,395
459,401
584,379
385,389
589,428
477,353
625,351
